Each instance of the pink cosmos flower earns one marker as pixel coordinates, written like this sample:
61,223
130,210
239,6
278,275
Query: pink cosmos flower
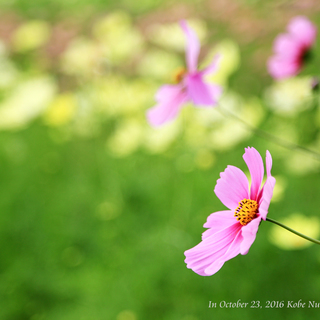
290,49
233,231
191,86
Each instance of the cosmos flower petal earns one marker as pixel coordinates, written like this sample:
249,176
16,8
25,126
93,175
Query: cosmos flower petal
232,187
254,162
217,221
170,99
249,235
280,68
303,30
216,92
267,194
212,67
286,47
192,47
233,250
268,163
198,91
206,253
290,48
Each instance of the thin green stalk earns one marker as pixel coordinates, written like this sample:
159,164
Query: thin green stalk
293,231
263,134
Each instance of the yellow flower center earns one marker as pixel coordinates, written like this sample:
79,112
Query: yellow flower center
179,74
247,210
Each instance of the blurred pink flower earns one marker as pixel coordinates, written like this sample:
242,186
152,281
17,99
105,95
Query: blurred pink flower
233,231
290,49
191,85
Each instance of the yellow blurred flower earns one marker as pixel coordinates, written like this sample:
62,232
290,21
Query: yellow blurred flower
286,240
171,36
31,35
279,188
117,37
26,102
158,140
301,164
61,110
205,159
127,315
127,138
82,57
159,64
115,95
228,63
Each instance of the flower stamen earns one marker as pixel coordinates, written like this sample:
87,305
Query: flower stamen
179,74
246,211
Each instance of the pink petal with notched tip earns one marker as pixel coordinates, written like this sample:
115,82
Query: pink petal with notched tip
170,99
255,165
249,233
303,30
283,68
198,91
232,187
267,190
192,47
209,251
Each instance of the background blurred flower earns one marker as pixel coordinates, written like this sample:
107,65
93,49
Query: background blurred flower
26,102
292,48
191,85
297,221
31,35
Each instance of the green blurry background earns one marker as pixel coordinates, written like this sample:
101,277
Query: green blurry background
97,207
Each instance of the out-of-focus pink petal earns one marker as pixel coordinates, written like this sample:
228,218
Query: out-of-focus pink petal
249,235
207,252
232,187
216,92
303,30
233,250
192,47
198,91
212,67
283,68
255,165
170,99
287,47
218,221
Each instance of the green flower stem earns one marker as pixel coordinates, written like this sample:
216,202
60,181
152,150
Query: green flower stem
293,231
268,136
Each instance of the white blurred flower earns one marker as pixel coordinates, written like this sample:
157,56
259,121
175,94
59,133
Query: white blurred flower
290,96
26,102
